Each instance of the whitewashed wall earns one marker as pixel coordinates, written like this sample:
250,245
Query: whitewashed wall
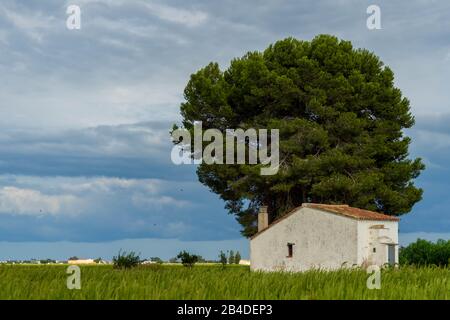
366,243
322,240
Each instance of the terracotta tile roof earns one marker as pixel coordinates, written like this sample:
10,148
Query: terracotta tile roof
341,209
351,212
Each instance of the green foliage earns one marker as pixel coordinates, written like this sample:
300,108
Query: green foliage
214,283
156,259
187,259
423,253
237,258
173,260
223,258
47,261
126,260
231,257
341,122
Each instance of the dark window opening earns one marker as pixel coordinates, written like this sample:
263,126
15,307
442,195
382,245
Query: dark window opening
374,250
290,250
391,254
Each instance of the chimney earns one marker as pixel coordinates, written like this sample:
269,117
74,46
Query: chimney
263,218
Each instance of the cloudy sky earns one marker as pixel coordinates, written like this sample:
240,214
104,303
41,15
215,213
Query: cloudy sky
84,115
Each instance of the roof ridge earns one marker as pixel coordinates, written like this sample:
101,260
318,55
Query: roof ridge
308,204
339,209
352,212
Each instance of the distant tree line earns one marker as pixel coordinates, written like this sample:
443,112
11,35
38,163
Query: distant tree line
426,253
231,258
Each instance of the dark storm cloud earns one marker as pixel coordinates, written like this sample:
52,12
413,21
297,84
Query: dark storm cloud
92,108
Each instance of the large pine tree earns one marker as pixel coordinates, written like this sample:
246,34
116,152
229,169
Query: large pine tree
341,122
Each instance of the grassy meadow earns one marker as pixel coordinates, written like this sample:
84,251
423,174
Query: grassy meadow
212,282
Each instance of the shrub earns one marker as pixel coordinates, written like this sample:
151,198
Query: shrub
173,260
425,253
231,257
47,261
126,260
98,260
237,258
187,259
156,260
223,259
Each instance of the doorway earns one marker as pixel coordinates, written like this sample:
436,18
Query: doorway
391,254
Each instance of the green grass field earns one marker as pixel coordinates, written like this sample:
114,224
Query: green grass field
211,282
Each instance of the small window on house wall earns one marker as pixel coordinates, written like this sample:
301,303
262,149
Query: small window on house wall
290,250
374,250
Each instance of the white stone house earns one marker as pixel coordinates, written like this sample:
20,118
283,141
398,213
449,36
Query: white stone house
320,236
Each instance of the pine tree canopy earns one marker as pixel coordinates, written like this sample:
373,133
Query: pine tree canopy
340,119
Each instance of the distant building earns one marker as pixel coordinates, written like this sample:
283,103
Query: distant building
320,236
244,262
81,261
